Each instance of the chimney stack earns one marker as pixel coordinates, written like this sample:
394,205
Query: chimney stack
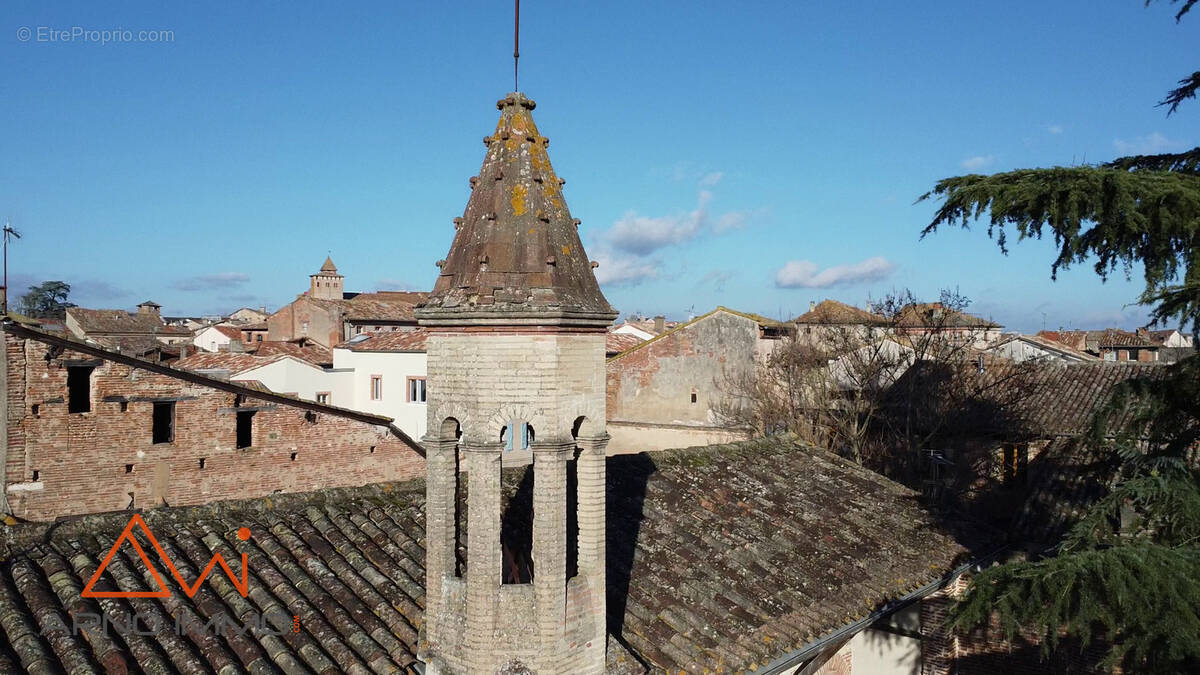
812,305
660,324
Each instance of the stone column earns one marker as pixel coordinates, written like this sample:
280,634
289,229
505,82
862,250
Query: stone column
550,547
591,470
440,507
483,553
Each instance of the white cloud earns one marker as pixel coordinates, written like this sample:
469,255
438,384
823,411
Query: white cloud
734,220
977,162
642,235
1055,129
393,285
1148,145
206,282
624,270
806,274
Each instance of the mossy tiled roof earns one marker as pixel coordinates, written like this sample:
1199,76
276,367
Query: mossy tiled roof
725,557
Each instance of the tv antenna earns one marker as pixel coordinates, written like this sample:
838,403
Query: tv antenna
9,233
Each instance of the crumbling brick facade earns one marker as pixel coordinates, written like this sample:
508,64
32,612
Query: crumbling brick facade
62,463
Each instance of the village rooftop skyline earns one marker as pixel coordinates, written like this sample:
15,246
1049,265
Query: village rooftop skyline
716,155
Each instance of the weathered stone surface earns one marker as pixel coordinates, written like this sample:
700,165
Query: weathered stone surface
516,250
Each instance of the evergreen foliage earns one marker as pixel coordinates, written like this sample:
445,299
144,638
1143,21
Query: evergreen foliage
1128,572
47,300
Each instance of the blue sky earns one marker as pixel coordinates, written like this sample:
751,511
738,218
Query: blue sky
756,155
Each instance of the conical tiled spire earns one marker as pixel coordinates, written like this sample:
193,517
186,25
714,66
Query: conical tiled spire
329,266
516,250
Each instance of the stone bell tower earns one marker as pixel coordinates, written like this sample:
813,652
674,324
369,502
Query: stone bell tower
516,327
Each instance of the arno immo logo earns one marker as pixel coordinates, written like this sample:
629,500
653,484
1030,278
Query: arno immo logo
241,583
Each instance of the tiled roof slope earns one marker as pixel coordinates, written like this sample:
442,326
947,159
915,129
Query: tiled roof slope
234,362
722,557
1064,397
935,315
838,313
311,352
384,306
120,321
615,343
747,552
1065,479
1120,338
232,332
516,247
393,341
348,564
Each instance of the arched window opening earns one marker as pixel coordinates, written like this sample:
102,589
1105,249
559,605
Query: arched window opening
516,525
516,436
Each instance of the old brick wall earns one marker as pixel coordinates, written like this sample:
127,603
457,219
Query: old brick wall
103,459
323,319
655,382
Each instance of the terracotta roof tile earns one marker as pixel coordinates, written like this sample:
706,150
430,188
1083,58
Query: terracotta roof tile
838,313
925,315
615,343
392,341
384,306
234,362
232,332
120,321
310,352
722,557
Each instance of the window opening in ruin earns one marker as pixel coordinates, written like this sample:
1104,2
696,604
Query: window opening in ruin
516,532
79,389
245,428
163,424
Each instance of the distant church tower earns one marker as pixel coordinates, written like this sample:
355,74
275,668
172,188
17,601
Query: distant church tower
516,326
326,284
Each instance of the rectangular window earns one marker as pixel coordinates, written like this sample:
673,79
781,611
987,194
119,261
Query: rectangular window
164,423
245,428
79,389
258,338
323,397
376,387
416,390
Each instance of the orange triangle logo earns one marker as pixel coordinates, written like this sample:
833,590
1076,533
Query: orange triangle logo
127,535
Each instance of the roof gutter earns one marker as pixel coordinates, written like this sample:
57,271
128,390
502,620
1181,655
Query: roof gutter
814,648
